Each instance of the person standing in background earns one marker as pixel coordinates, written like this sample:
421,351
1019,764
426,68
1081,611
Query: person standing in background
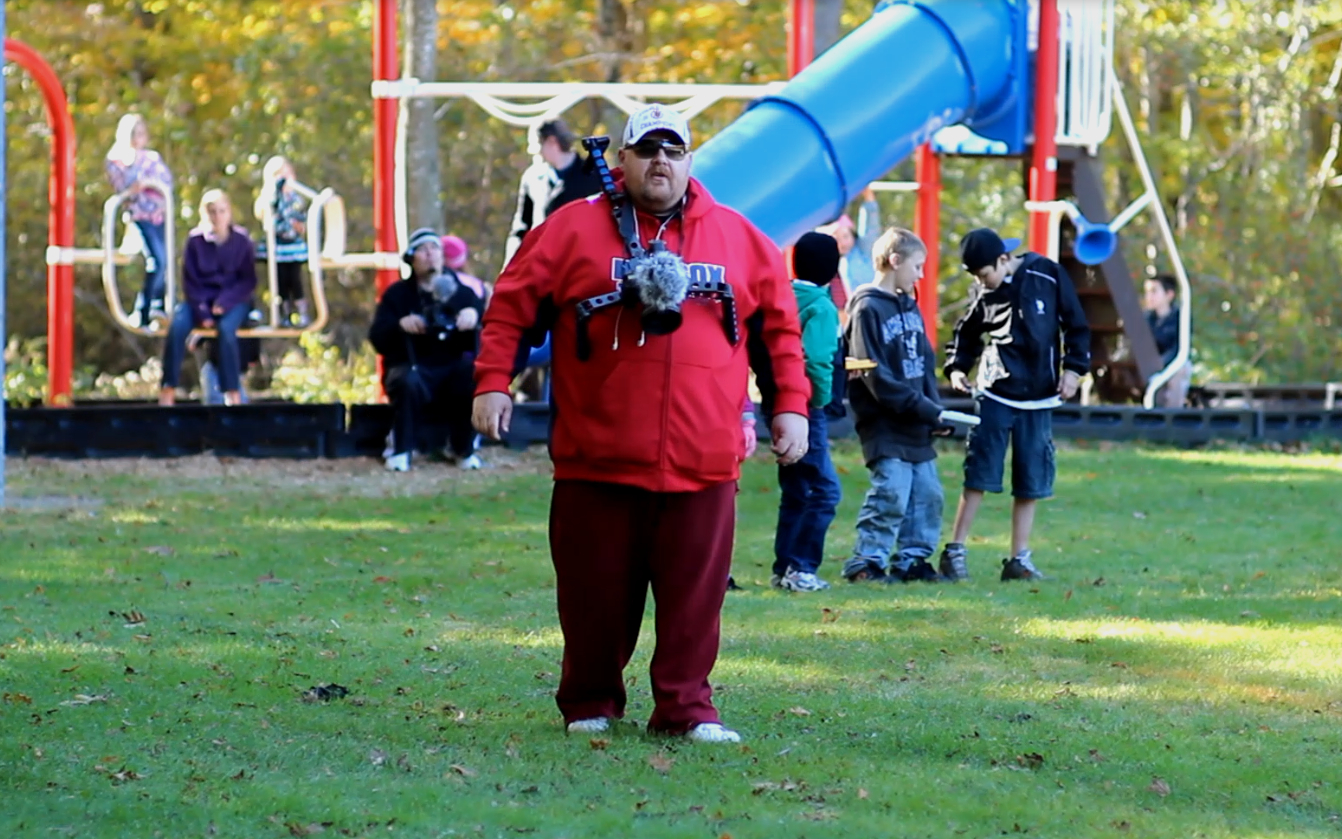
132,167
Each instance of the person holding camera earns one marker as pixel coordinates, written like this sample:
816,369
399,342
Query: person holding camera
426,330
649,318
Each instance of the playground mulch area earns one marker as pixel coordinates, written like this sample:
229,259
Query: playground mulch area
204,647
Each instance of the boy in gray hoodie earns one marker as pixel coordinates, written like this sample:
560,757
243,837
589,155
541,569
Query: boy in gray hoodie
893,394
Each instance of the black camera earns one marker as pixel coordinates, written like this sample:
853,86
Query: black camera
659,280
441,320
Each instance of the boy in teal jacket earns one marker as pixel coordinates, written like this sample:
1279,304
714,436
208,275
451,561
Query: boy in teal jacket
810,487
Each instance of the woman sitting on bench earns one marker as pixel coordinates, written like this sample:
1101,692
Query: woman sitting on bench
218,279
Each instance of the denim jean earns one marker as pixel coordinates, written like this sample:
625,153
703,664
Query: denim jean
174,348
902,509
810,498
155,264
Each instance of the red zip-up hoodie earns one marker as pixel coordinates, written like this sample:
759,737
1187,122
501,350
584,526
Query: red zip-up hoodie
660,412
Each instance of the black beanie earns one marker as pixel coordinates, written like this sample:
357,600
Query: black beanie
815,258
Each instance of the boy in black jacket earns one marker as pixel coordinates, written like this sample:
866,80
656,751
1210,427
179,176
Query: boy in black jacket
1022,309
897,410
426,329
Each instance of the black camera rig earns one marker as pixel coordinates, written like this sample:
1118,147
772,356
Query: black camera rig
664,317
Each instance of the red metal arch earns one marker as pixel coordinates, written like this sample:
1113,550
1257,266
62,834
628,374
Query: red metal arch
60,222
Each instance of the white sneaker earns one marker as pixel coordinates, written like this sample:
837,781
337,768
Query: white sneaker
802,581
399,462
472,462
389,448
712,732
595,725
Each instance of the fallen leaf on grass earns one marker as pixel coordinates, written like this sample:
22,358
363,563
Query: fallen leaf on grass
828,615
17,698
463,771
799,711
84,699
1159,787
660,762
325,693
1138,514
383,579
72,668
861,793
133,618
160,550
269,577
296,829
377,757
1030,760
599,743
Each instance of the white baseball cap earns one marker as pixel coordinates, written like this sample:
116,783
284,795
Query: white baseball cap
652,118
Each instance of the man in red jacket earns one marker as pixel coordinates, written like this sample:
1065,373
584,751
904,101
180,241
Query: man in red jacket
646,437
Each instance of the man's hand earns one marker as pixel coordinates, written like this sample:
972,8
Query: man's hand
468,319
959,381
217,310
789,433
491,414
413,325
868,194
1070,382
208,323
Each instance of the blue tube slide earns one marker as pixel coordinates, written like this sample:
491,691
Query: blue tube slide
795,160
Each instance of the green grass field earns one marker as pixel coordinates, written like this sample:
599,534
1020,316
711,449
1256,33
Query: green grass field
1180,674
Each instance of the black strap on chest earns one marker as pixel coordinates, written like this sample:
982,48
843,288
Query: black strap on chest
624,214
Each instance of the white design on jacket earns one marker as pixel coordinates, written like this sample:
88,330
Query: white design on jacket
906,327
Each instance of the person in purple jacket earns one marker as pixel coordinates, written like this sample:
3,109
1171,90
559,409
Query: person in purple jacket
218,279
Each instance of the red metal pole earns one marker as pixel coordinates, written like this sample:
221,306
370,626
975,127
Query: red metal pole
60,223
927,224
801,36
1044,164
384,140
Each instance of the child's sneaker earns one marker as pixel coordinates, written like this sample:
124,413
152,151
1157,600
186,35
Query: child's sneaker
712,732
802,581
1020,567
399,462
471,462
954,565
918,571
595,725
868,573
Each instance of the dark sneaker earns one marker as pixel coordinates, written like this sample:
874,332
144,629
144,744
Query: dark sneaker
954,566
1020,568
870,573
921,571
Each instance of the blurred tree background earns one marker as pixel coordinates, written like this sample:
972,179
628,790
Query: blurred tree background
1236,100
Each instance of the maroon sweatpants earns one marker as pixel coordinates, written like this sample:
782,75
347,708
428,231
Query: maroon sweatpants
609,543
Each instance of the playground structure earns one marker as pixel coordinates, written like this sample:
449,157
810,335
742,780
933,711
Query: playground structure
993,66
325,240
1032,80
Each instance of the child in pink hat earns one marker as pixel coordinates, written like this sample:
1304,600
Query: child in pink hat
454,257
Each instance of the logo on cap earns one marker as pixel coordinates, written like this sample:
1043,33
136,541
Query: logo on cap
656,117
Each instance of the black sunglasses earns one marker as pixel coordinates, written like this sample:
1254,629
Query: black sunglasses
647,149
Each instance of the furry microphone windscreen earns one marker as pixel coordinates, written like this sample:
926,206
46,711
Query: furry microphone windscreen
662,280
